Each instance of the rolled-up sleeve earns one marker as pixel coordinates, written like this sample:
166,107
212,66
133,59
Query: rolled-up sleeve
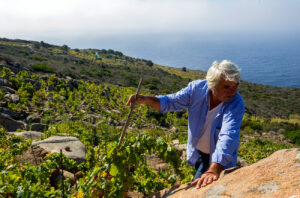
176,101
228,139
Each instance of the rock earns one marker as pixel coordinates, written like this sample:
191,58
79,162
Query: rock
75,149
175,142
11,124
7,89
4,82
180,147
155,162
56,177
15,68
3,103
161,166
241,162
12,97
39,127
78,175
281,131
174,129
275,176
34,155
33,118
33,135
14,114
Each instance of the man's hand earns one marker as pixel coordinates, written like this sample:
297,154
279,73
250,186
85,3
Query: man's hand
150,101
140,99
206,179
211,175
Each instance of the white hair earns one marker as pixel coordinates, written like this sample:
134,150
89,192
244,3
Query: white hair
226,69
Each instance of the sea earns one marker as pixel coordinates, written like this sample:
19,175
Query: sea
269,60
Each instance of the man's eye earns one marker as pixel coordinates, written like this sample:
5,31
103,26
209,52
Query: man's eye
226,87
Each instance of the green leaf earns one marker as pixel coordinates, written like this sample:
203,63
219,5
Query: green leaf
114,170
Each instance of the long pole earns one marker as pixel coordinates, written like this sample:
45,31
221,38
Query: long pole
128,117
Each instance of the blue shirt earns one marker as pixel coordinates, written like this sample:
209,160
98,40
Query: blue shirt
225,131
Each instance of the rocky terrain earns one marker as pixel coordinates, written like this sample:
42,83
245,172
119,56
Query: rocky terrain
275,176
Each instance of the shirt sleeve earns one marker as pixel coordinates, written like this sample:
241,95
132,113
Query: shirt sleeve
176,101
228,139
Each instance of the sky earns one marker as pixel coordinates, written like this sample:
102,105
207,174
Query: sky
71,21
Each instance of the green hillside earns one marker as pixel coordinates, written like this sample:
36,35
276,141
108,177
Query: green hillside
115,68
74,93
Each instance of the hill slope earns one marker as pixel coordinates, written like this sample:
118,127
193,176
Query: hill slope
113,67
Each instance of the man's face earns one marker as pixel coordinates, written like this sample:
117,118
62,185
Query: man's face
225,90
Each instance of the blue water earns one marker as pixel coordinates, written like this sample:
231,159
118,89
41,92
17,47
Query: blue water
270,61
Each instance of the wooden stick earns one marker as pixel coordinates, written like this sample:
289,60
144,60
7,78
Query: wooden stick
128,117
62,174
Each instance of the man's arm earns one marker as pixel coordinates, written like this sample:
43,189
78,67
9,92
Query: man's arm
150,101
212,174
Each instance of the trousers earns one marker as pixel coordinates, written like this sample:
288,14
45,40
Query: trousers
202,164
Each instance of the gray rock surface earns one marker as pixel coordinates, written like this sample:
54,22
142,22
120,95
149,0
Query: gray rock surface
12,97
34,118
11,124
39,127
7,89
14,114
4,82
33,135
70,146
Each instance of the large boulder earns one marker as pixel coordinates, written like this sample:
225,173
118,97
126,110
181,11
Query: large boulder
33,135
14,114
70,146
11,124
275,176
39,127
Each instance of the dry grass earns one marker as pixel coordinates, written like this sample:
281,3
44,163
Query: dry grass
293,119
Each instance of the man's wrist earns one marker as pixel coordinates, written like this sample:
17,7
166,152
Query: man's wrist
215,168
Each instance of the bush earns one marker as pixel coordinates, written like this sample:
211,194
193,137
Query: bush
294,136
42,67
256,149
149,63
38,58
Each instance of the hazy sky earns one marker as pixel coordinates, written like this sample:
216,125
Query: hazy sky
59,20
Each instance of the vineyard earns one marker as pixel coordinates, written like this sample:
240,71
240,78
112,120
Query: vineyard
125,167
71,103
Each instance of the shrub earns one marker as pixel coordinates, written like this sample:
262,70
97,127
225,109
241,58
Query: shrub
38,58
42,67
294,136
256,149
149,63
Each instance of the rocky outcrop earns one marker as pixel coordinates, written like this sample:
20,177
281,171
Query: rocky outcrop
70,146
14,114
7,89
11,124
33,135
39,127
12,97
275,176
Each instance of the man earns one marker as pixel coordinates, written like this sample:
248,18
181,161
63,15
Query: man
215,111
